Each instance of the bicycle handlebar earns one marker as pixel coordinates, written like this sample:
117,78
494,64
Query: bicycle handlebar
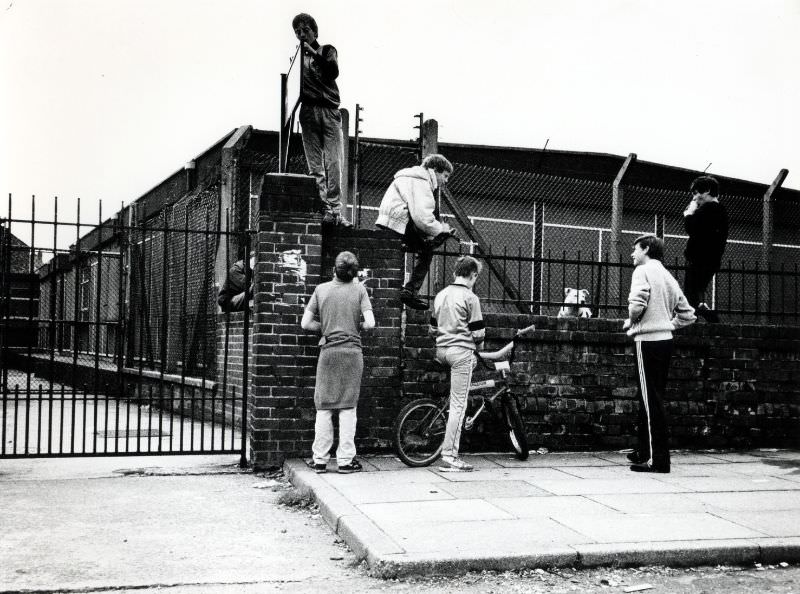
492,356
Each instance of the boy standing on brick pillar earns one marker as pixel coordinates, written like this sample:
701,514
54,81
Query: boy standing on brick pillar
320,120
339,304
656,307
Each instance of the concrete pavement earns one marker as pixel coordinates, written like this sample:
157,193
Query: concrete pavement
564,509
189,523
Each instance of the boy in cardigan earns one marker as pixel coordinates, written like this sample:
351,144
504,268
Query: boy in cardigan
656,307
459,328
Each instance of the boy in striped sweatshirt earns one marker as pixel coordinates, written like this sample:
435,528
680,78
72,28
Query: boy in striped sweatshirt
656,307
457,323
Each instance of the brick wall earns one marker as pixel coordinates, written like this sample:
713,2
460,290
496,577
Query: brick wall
230,364
729,385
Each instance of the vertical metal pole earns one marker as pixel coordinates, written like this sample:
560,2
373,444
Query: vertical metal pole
616,207
767,231
283,133
5,298
164,301
356,165
31,260
76,316
96,325
245,348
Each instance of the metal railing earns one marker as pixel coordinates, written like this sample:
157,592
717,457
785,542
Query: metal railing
115,345
741,292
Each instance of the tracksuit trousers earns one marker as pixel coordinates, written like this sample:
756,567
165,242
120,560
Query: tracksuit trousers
652,363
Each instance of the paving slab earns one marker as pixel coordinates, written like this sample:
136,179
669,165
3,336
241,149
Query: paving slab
420,512
769,523
505,474
619,527
636,484
730,484
781,468
564,510
489,489
650,503
748,501
549,507
512,536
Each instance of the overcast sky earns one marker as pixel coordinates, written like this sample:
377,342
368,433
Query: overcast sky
102,99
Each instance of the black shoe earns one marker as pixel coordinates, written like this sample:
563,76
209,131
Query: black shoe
645,467
335,219
318,468
410,300
354,466
636,457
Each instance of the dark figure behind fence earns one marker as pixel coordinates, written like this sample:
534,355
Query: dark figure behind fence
232,294
706,222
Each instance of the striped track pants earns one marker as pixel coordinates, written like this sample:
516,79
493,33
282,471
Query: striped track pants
652,364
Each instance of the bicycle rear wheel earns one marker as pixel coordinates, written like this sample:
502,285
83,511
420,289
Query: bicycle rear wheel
515,427
419,432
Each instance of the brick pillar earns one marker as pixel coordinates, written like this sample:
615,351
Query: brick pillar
284,357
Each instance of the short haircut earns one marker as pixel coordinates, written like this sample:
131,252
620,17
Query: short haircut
705,183
466,265
346,266
654,245
438,163
305,19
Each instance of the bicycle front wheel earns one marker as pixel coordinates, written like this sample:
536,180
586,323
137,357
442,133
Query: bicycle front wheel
419,432
515,428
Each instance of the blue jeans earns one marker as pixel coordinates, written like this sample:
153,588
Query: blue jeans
324,147
461,362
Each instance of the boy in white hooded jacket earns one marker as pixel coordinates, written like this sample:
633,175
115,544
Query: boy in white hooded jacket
407,210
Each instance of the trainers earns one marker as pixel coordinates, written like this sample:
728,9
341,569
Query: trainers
454,465
354,466
408,299
635,457
343,222
335,219
318,468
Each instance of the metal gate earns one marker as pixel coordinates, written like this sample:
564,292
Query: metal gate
115,345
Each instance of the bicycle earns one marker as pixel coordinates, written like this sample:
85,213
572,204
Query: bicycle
419,427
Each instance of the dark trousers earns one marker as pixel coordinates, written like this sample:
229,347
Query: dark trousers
415,242
697,278
652,363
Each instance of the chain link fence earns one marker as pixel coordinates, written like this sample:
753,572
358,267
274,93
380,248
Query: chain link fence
547,233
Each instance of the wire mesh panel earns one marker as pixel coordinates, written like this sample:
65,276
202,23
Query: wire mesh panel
559,228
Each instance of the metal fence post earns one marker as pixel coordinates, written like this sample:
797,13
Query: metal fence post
344,182
767,229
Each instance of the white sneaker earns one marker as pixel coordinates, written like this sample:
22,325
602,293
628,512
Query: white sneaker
454,465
